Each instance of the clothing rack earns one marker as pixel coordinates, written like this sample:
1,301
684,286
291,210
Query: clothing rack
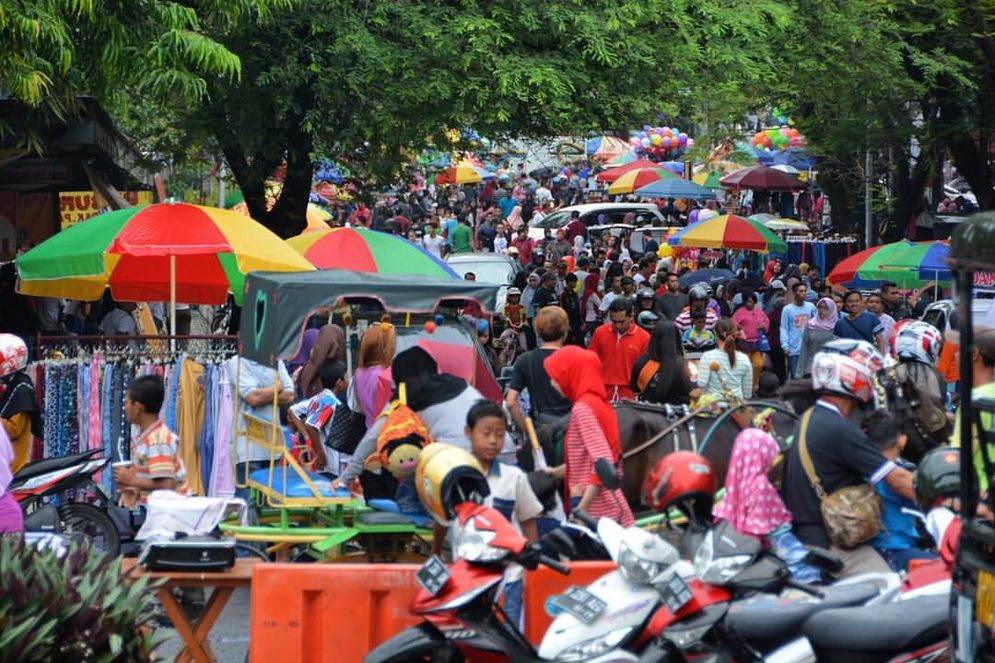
139,348
81,382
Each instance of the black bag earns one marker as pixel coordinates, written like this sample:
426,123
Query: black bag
347,429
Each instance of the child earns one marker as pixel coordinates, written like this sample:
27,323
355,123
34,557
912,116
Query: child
753,506
155,451
699,339
896,542
312,417
486,427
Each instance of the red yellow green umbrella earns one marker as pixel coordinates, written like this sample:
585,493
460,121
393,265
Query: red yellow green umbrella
362,250
637,179
163,252
462,173
729,232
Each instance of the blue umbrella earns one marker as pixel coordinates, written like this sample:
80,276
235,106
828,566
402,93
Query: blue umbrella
711,276
795,157
675,188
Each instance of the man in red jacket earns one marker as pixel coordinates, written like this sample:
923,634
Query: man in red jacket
619,343
525,245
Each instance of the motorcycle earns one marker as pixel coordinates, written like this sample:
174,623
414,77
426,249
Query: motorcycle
68,479
605,621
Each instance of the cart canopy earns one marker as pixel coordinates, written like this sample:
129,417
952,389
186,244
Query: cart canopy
277,305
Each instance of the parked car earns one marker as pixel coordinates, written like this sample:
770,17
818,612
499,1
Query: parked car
488,268
590,216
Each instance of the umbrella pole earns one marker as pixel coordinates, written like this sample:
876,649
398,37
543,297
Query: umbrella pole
172,303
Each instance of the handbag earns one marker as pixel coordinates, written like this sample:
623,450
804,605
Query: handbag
851,515
348,424
763,343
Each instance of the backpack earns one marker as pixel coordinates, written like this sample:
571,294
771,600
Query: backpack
400,441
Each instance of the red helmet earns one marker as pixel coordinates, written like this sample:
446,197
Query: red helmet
682,478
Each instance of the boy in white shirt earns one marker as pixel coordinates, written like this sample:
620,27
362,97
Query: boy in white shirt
486,427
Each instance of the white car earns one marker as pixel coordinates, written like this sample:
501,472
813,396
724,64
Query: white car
487,268
590,215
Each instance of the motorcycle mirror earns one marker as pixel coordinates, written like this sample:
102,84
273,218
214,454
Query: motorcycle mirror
605,470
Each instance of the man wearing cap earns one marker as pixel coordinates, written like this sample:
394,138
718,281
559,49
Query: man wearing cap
524,244
546,294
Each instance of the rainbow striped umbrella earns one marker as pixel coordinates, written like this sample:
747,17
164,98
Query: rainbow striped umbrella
606,148
362,250
638,178
729,232
908,264
172,252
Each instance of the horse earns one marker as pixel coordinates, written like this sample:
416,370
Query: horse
711,432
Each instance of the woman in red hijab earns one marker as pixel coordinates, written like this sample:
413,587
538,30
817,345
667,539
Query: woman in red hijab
591,434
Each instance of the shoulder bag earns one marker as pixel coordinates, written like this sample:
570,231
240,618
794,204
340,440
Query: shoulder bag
851,515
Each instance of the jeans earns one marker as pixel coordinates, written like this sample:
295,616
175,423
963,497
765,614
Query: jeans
793,366
899,560
513,599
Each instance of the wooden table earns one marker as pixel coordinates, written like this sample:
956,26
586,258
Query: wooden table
195,635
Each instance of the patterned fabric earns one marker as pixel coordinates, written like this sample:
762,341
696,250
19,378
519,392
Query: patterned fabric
585,443
751,504
155,454
317,413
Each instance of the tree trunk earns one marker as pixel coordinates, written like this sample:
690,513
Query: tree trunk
835,180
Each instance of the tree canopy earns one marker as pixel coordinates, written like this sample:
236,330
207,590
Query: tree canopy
381,79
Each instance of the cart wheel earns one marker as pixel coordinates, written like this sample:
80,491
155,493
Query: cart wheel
81,519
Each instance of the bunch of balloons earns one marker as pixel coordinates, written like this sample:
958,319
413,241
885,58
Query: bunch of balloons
660,143
778,138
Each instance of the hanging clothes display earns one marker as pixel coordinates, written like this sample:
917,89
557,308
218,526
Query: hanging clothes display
81,399
824,253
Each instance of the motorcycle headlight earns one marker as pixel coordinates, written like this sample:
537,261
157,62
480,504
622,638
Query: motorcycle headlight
594,647
473,545
636,569
717,571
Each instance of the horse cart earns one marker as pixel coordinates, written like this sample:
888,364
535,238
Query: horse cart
299,513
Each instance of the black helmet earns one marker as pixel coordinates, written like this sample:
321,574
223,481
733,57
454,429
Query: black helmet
643,295
937,477
699,291
647,320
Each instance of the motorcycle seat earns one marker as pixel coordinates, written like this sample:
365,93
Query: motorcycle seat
878,633
767,621
52,464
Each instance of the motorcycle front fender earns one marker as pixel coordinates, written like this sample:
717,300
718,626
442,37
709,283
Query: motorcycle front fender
411,643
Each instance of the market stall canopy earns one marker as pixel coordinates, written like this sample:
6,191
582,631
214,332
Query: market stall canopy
277,305
613,174
972,245
363,250
675,187
143,253
761,178
729,232
786,225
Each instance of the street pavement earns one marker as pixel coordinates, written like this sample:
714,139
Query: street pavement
229,637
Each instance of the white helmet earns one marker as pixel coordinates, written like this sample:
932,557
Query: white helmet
848,368
918,341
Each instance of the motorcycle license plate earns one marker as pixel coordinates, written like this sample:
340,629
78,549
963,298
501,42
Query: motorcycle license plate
675,593
580,603
984,602
433,575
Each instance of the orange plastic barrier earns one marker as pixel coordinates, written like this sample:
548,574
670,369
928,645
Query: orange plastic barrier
544,582
339,612
328,612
